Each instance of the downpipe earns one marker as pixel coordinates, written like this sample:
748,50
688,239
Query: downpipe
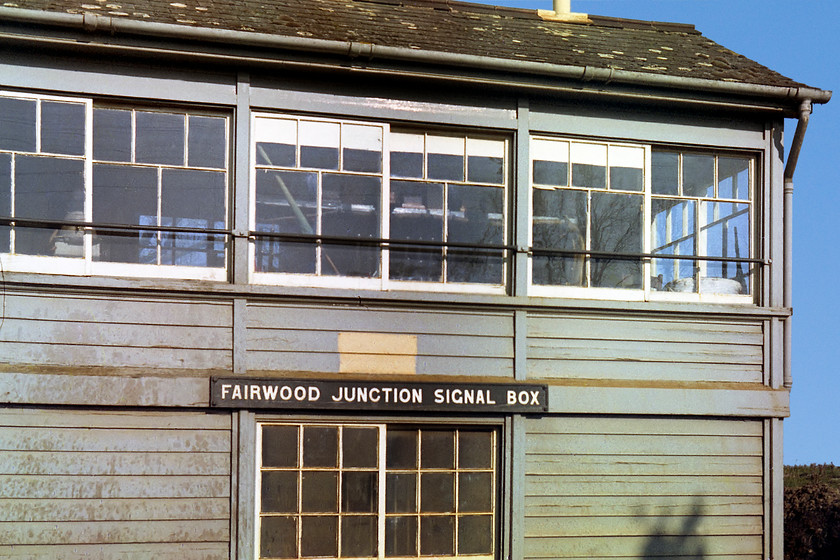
787,295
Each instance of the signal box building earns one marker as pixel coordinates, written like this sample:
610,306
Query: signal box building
392,279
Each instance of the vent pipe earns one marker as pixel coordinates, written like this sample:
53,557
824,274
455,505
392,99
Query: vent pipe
562,6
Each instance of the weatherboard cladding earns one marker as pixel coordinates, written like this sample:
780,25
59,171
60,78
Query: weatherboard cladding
453,27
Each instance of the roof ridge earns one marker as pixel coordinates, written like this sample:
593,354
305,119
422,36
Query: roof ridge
528,13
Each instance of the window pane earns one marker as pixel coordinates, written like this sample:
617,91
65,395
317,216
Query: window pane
126,195
112,135
319,492
286,202
278,155
673,233
437,492
360,446
407,154
727,234
359,536
401,450
319,536
17,124
401,493
351,208
475,492
207,144
734,178
626,179
278,537
280,446
698,175
475,450
626,164
63,128
551,173
320,446
437,449
474,216
195,199
50,189
416,215
475,534
559,223
437,535
5,199
589,165
665,173
160,138
362,148
400,536
616,226
359,492
319,142
485,161
445,167
279,492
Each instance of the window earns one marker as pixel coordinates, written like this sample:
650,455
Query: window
591,202
373,491
90,189
362,205
700,206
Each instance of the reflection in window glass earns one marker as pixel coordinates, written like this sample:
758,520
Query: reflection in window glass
112,135
588,214
63,128
159,138
17,124
207,145
49,188
5,199
434,505
125,195
701,222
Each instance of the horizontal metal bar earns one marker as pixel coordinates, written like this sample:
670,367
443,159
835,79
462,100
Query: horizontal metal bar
377,241
112,228
632,256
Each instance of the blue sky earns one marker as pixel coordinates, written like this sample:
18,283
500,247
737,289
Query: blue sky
800,40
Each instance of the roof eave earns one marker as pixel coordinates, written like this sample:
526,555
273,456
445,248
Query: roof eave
785,96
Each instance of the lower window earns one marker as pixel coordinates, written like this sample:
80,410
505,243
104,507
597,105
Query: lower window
377,490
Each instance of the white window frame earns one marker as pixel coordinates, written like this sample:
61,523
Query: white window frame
382,470
383,282
645,293
86,266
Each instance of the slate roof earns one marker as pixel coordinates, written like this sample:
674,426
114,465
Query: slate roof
450,26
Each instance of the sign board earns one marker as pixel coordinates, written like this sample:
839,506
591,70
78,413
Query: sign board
298,394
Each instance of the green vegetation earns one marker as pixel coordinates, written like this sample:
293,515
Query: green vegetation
800,475
812,512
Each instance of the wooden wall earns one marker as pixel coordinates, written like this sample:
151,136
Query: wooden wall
121,332
112,485
643,487
563,346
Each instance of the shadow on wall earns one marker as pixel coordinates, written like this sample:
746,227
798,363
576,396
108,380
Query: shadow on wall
670,540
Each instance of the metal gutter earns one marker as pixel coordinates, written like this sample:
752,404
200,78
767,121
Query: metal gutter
787,297
94,23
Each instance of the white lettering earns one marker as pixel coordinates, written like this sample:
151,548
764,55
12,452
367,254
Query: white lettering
511,397
457,396
469,396
237,392
300,393
438,396
405,395
417,395
285,393
489,398
255,392
479,398
314,394
523,397
535,398
225,390
375,398
270,392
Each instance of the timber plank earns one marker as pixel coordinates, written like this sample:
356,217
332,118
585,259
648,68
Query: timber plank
113,509
102,487
643,465
636,546
114,440
92,463
634,425
116,419
95,532
606,485
561,507
647,444
700,523
132,551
